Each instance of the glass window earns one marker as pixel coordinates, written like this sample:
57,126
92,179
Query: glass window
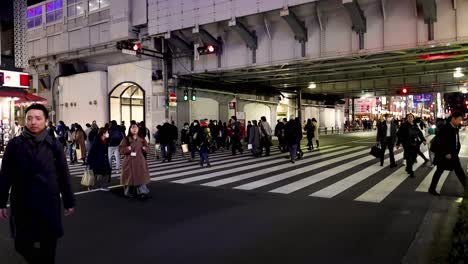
76,8
98,4
54,11
34,16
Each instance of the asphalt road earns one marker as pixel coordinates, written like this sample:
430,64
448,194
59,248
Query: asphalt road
334,206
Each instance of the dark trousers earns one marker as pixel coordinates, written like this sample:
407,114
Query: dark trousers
204,156
265,144
293,151
310,143
45,253
457,168
236,145
167,153
387,143
420,153
410,155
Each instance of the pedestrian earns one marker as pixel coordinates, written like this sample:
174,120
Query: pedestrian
115,138
93,133
50,130
135,174
184,136
166,139
123,128
386,137
157,141
309,128
292,138
34,167
18,129
71,136
236,136
204,142
144,133
408,136
174,137
254,139
265,133
316,132
98,159
249,125
418,122
87,131
80,143
193,134
446,146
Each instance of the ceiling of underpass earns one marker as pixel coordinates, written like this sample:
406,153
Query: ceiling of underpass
423,69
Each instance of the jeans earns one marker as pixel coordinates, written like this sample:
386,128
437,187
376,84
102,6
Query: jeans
204,156
70,152
293,151
114,151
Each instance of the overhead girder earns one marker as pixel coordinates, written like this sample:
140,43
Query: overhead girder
358,19
249,37
429,11
298,27
203,36
179,42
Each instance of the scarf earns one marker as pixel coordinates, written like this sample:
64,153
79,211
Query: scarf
35,138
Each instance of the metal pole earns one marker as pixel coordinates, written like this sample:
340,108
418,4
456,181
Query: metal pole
406,105
165,78
299,103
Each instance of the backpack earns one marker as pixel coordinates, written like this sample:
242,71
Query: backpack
204,137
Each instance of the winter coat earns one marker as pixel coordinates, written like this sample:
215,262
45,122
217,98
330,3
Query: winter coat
80,143
135,168
316,131
409,135
166,134
309,128
37,174
382,132
292,135
445,143
254,136
98,159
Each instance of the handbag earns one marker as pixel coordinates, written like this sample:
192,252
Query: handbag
376,151
185,148
249,146
88,178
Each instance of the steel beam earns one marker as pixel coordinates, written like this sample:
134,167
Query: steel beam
358,19
297,26
249,37
179,42
205,37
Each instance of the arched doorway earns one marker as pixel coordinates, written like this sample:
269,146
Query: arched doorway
127,102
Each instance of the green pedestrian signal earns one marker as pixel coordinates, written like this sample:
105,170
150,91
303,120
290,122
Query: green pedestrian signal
185,95
194,95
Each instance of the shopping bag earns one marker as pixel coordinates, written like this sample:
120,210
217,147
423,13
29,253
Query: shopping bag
376,151
249,146
88,178
185,148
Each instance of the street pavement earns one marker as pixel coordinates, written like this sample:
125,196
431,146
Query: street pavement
336,205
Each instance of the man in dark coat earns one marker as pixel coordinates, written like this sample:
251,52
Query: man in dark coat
386,137
446,146
410,137
35,168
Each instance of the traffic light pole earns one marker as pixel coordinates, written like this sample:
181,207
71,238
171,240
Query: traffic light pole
165,78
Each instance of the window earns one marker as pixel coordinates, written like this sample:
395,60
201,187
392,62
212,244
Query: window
54,11
34,16
98,4
75,8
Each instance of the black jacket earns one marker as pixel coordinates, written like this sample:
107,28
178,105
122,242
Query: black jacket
409,135
98,159
310,129
445,143
382,132
37,175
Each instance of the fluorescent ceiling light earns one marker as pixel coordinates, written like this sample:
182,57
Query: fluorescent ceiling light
312,85
458,74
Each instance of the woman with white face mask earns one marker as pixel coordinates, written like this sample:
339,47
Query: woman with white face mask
98,160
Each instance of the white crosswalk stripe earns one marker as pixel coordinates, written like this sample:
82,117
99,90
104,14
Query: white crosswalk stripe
321,171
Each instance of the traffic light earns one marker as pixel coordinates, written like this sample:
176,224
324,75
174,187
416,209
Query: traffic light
208,49
128,45
403,91
194,95
185,95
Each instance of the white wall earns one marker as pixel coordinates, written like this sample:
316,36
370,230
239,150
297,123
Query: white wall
253,111
81,89
204,108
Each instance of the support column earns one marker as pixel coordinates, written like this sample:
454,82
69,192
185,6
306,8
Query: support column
299,104
165,78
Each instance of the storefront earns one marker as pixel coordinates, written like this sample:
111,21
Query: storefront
14,99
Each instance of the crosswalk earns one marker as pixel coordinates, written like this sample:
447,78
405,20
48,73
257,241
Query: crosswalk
333,171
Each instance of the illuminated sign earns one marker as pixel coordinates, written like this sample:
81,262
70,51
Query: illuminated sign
14,79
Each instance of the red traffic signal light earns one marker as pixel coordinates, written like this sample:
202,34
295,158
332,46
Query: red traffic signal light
136,47
209,49
404,91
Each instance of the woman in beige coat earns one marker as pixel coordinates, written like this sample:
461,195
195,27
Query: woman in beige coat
80,142
135,174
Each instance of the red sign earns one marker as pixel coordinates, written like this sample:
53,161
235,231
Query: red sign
15,79
172,97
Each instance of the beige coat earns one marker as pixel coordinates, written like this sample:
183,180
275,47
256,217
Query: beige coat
80,143
135,168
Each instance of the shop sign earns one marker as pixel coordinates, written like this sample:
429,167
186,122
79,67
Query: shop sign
14,79
422,98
